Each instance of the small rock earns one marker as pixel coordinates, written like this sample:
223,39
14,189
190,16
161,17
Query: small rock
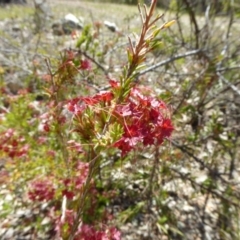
14,222
46,221
187,208
23,213
16,27
9,233
8,198
201,179
71,23
27,230
111,26
67,25
20,213
44,206
2,231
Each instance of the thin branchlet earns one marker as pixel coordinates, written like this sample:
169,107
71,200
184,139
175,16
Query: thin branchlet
131,45
141,15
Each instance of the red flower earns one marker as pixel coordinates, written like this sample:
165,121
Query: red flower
114,84
74,106
46,127
126,144
123,110
85,65
41,190
167,127
90,100
69,194
144,121
104,96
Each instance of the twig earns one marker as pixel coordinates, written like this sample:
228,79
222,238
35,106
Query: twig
194,21
219,195
189,91
233,87
223,53
155,66
94,61
169,60
198,160
152,175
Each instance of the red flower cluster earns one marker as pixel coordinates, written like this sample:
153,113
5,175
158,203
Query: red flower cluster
12,144
41,190
85,65
87,232
145,120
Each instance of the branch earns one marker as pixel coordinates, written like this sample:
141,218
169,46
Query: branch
233,87
217,194
193,20
202,163
94,61
169,60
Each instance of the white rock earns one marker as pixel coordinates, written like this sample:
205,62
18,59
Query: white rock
46,221
9,233
111,26
72,18
201,179
188,208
